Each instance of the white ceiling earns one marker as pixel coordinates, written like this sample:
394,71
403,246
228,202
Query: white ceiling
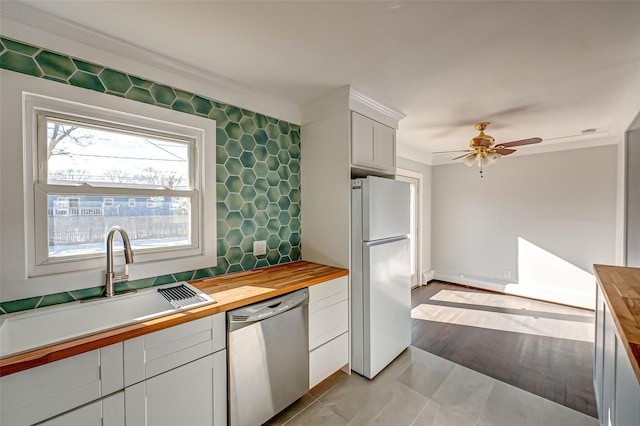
549,69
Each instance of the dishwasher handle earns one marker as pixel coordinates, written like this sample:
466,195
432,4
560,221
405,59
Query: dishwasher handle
246,315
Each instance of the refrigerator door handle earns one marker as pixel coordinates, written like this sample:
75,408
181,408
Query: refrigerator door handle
385,241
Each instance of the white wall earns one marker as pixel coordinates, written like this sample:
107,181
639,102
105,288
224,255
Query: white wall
425,224
545,219
632,192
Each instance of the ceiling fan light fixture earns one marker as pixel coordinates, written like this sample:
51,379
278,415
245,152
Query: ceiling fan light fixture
492,158
469,159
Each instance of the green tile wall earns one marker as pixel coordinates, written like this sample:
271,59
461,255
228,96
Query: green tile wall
257,167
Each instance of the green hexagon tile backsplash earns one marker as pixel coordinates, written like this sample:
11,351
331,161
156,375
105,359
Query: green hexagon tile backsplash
257,167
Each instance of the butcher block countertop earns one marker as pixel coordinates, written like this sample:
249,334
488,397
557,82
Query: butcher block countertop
230,291
621,289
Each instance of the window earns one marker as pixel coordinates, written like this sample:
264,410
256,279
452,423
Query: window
132,202
100,162
75,158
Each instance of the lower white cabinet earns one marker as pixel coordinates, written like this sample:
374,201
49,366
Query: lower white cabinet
328,328
193,394
108,411
176,376
46,391
616,386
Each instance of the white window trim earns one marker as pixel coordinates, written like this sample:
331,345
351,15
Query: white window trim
400,173
18,163
37,109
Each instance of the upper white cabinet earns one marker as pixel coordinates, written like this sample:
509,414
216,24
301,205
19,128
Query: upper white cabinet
373,145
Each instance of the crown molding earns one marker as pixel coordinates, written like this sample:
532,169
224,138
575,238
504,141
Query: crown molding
43,25
346,98
361,102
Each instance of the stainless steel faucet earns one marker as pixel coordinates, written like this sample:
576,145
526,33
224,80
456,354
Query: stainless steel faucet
112,278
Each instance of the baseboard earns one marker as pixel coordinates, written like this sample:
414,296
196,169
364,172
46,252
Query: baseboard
552,295
472,282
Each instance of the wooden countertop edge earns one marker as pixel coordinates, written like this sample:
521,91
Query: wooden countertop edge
619,309
24,361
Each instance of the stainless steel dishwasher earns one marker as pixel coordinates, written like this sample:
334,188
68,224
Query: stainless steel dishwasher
268,347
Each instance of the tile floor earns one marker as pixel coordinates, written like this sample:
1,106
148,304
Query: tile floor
420,388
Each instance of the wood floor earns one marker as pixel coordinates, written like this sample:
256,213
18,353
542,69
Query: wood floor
543,348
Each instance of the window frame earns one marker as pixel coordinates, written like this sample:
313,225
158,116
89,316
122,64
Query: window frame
17,174
44,263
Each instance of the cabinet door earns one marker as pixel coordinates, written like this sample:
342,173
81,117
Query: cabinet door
42,392
627,390
373,145
328,358
105,412
183,396
362,140
384,147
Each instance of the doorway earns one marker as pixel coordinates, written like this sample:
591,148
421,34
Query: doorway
414,180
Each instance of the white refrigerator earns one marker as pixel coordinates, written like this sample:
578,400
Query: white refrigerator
380,273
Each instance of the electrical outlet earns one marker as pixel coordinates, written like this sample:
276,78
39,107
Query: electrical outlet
507,275
259,248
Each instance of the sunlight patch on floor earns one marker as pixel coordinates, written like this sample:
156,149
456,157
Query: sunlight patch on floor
499,301
571,330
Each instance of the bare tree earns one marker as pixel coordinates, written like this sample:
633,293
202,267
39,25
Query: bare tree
149,175
118,176
60,132
170,180
69,175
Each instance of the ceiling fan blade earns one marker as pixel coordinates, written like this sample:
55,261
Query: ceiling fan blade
505,151
449,152
463,155
520,142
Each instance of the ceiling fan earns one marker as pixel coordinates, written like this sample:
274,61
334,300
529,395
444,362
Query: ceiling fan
484,149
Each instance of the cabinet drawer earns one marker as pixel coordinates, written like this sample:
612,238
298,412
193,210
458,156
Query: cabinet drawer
42,392
328,358
149,355
328,323
108,411
327,294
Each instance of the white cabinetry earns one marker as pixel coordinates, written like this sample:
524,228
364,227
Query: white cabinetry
328,329
616,386
172,376
178,375
108,411
184,396
373,145
42,392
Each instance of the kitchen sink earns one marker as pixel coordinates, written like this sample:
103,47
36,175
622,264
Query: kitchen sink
25,331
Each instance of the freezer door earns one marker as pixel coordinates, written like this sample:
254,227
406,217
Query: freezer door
385,208
387,303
